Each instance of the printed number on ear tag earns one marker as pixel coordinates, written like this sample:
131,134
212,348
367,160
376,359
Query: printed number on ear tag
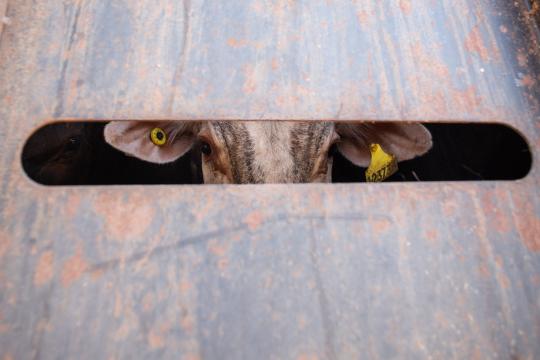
158,136
382,165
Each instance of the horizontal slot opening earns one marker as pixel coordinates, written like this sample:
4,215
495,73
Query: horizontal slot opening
167,152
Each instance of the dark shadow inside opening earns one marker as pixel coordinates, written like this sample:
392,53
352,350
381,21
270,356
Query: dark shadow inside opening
76,154
460,152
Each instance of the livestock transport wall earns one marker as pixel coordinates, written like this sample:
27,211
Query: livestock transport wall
409,270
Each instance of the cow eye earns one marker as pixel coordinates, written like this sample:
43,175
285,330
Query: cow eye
73,144
158,136
206,149
333,150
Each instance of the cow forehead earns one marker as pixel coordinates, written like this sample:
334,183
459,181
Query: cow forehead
272,151
265,131
273,136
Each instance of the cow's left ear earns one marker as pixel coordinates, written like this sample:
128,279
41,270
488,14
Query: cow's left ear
405,141
135,138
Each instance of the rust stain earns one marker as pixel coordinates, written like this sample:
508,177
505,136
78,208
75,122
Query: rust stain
268,281
527,221
432,236
8,99
118,305
449,207
436,101
475,44
217,248
478,354
187,322
122,332
405,6
223,264
316,200
281,7
72,205
297,273
522,58
363,17
42,326
420,344
254,219
441,320
467,99
258,8
250,83
155,340
530,232
307,357
483,270
96,274
44,268
4,328
494,214
235,43
301,322
431,83
429,63
527,81
503,280
5,243
286,101
73,268
124,218
192,357
185,286
148,302
380,226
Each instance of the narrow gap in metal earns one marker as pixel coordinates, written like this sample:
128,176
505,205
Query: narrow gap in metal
167,152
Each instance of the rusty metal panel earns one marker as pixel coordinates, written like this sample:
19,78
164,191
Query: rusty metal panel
275,271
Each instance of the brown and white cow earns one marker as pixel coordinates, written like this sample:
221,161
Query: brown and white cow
267,151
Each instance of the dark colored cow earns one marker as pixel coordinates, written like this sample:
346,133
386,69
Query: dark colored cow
76,154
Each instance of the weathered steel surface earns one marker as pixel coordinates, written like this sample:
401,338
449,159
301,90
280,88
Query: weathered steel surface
279,271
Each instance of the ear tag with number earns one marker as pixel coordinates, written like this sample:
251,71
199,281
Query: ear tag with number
382,165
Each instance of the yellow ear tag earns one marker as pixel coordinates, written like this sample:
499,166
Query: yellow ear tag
382,165
158,136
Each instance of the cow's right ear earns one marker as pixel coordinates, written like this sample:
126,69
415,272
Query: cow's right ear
134,138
